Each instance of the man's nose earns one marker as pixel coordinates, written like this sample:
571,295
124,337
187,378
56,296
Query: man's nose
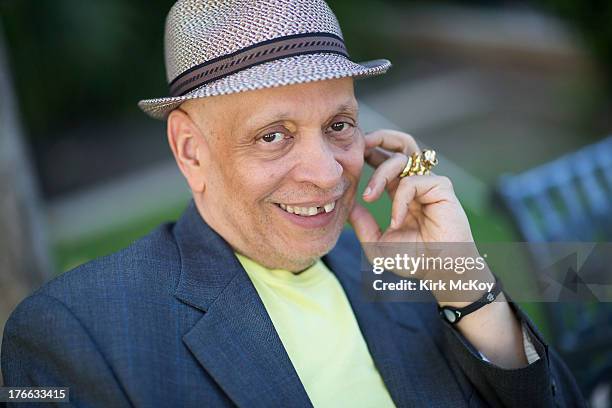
317,163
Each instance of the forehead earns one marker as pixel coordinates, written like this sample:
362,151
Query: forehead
312,100
307,101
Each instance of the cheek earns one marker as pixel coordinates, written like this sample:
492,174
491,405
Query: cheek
253,184
352,160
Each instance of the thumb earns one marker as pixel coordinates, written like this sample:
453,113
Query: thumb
366,227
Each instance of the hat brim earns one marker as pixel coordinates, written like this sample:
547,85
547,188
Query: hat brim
286,71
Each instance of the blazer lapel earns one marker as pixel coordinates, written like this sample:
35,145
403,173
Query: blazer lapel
408,360
235,340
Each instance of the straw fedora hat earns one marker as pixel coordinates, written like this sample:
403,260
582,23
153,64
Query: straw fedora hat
216,47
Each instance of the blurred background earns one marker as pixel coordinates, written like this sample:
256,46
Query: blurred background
510,93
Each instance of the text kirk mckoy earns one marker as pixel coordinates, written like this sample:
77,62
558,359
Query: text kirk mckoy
434,285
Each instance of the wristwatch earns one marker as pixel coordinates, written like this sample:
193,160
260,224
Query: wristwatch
454,314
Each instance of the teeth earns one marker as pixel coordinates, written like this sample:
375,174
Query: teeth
308,211
305,210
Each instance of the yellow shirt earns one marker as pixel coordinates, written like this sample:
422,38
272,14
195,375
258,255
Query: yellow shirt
319,331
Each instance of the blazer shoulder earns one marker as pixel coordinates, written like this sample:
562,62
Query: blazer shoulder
148,262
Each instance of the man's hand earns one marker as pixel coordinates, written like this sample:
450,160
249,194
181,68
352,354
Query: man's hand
426,210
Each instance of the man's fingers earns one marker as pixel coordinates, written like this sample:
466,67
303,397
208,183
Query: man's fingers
385,175
424,189
392,140
374,156
366,227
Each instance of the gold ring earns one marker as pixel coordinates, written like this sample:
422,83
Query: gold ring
420,163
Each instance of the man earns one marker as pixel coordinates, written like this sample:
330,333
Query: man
253,297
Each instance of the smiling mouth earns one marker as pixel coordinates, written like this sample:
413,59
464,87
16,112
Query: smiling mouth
307,211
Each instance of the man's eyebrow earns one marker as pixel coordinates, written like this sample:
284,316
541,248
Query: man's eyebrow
263,120
349,107
345,107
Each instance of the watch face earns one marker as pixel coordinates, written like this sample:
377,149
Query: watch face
450,315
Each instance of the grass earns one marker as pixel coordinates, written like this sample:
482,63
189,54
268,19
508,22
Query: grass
70,254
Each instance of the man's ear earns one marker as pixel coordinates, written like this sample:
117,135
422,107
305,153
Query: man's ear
189,147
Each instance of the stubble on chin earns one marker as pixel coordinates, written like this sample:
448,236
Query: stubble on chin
271,247
299,258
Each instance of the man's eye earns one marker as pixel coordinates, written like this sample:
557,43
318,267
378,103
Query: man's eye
274,137
339,126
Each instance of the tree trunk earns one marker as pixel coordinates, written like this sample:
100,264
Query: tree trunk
24,259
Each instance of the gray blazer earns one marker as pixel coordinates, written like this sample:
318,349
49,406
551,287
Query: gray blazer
174,321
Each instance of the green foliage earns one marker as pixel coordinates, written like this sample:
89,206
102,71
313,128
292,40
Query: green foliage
72,253
83,59
75,60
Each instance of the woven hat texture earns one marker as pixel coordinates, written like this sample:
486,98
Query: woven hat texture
216,47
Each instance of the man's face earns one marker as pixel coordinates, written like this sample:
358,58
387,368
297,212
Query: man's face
284,168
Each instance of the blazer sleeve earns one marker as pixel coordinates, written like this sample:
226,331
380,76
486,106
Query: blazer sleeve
44,344
546,382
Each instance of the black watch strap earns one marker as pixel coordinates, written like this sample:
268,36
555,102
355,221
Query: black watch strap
454,314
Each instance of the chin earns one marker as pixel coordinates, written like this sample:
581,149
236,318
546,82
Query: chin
317,247
299,247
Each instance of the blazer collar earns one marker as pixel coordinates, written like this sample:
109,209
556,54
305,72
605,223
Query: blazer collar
402,349
237,343
208,263
235,340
